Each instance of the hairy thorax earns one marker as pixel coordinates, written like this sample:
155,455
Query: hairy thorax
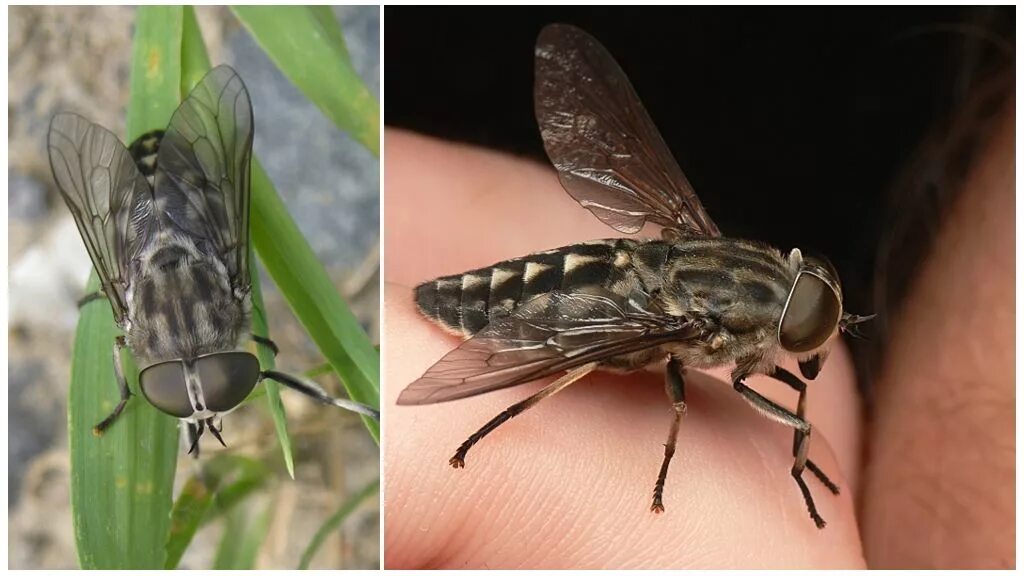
183,306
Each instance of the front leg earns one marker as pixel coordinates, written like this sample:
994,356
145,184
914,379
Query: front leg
122,385
317,393
790,379
779,414
270,344
192,438
90,297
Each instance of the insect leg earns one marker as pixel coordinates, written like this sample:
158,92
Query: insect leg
192,438
200,426
790,379
122,385
97,295
266,342
675,388
216,431
316,393
779,414
459,460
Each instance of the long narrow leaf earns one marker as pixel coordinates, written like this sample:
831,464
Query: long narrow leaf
246,476
190,508
122,482
272,389
329,28
312,296
335,521
314,63
243,535
209,494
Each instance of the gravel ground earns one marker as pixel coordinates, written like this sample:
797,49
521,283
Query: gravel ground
78,59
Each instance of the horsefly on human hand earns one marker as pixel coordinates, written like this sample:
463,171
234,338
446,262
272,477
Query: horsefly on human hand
692,298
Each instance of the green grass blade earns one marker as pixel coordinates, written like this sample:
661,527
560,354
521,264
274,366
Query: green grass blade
313,62
195,64
335,521
246,476
121,483
242,538
329,28
312,296
319,370
190,508
272,389
221,484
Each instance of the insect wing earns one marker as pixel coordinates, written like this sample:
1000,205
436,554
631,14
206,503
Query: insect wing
548,334
203,176
608,153
107,196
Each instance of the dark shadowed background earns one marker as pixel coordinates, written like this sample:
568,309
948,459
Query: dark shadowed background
795,125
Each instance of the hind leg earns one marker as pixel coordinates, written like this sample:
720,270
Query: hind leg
459,459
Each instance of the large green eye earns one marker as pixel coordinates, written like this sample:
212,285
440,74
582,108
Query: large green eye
227,378
811,315
163,385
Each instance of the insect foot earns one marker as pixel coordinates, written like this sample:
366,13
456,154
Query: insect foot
832,487
811,508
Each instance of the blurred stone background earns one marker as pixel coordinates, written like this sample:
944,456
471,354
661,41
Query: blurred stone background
78,59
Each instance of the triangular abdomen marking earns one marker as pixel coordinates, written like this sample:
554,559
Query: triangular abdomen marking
476,288
466,303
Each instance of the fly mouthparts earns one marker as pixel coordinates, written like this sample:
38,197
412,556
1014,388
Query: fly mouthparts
850,324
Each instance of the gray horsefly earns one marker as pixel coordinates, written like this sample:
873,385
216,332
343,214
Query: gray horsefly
166,224
692,297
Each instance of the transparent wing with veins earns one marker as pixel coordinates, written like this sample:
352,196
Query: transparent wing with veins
548,334
107,196
203,168
608,153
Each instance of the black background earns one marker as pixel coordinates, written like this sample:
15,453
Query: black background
791,123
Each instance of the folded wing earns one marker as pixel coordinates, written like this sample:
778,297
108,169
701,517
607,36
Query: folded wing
546,335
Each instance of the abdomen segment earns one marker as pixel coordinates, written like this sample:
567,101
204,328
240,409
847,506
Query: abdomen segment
465,303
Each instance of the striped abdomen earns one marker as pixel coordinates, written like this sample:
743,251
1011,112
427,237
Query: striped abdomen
465,303
741,286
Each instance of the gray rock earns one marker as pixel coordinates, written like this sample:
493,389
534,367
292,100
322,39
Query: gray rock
26,198
32,429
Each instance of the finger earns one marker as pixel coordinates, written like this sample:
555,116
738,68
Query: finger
451,208
568,483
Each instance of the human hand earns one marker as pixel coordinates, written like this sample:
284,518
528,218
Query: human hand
568,483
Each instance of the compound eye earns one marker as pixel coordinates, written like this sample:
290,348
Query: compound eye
823,263
163,385
811,316
227,378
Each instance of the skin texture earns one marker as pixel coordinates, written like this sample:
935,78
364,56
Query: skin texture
943,443
569,482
